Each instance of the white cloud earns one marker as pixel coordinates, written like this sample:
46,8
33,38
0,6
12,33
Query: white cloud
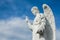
16,29
58,34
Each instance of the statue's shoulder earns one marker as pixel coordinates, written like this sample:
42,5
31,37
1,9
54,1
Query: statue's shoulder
42,15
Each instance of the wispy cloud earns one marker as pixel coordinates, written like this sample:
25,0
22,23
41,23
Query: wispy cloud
15,28
58,34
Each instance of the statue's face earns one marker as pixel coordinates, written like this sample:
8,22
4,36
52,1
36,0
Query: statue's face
35,10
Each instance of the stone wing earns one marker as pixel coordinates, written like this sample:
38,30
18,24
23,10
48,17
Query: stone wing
50,18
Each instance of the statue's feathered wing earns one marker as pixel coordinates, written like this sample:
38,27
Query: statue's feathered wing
50,24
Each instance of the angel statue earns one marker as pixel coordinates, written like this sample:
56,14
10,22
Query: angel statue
43,26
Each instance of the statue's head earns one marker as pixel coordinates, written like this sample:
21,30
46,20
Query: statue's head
35,10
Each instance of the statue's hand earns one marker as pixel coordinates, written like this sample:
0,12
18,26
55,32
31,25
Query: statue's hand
26,19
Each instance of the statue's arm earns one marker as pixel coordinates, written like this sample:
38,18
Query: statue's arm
29,24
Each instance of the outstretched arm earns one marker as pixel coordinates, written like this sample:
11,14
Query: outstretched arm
29,24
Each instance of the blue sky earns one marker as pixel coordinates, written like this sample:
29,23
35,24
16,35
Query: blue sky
19,8
14,11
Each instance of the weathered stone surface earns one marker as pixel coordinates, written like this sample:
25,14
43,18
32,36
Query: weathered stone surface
43,27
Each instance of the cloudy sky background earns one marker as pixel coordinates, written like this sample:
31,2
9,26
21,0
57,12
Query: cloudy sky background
12,18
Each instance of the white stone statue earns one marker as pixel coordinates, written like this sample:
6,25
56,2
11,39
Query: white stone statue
43,26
